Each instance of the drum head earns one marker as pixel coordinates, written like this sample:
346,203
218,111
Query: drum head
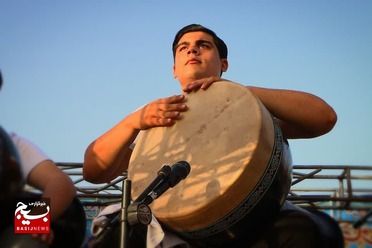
223,136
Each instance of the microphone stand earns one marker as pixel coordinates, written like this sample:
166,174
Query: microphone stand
125,202
130,214
138,212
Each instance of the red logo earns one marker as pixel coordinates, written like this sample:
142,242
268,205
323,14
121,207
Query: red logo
32,216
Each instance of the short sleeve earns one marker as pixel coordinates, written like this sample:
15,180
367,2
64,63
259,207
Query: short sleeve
30,154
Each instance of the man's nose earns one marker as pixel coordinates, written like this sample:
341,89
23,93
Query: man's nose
193,50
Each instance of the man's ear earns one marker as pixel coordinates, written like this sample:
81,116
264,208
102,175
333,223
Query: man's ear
224,65
174,72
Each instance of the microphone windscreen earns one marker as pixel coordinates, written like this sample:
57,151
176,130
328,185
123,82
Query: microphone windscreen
180,170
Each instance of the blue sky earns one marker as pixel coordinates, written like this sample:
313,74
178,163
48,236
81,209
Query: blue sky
73,69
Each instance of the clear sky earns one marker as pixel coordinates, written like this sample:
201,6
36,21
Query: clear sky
72,69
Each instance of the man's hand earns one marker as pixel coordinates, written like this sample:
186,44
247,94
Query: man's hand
161,112
203,84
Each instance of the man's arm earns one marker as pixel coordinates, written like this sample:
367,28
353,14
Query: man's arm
300,114
57,186
54,184
109,155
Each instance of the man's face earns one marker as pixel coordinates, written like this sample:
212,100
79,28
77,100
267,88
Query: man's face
197,57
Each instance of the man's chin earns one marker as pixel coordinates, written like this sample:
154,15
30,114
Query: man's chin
197,74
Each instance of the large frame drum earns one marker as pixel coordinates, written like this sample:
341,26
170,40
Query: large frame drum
240,167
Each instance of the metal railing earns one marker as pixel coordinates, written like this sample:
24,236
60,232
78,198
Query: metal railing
343,187
333,188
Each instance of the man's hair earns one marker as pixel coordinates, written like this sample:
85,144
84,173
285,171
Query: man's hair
220,44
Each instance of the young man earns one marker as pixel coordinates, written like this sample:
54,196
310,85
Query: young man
200,58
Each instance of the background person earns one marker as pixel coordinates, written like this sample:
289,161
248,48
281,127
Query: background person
40,172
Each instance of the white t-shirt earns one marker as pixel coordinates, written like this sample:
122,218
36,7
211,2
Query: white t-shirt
30,154
135,141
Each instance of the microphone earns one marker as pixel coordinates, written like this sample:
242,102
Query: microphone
163,173
138,212
179,171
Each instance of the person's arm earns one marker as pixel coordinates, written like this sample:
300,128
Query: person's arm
300,114
54,184
109,155
57,186
42,173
